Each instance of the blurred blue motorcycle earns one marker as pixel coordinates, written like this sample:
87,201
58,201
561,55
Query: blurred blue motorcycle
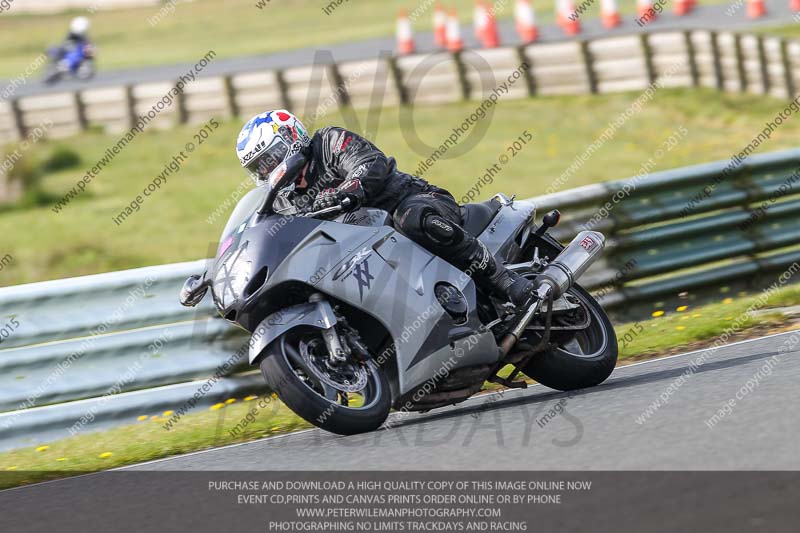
75,59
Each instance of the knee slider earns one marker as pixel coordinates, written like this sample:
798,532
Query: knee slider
441,230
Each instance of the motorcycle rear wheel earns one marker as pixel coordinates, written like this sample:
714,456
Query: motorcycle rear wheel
319,403
579,361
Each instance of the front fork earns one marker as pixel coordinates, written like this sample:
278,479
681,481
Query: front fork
341,340
337,352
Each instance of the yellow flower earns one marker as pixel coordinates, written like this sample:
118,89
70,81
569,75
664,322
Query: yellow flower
230,400
657,314
143,417
217,406
61,459
168,413
727,300
105,455
154,417
276,428
42,448
680,328
696,315
682,308
251,397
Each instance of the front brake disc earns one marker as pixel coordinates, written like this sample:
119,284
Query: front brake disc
346,377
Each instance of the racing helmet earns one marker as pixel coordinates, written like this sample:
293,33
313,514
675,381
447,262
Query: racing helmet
265,140
79,26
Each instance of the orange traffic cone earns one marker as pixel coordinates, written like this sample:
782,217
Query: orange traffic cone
454,40
567,17
794,5
405,34
440,26
525,18
644,8
756,9
682,7
486,26
609,13
479,19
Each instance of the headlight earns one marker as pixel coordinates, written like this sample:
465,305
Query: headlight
231,279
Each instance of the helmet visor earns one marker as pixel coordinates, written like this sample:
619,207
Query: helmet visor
262,166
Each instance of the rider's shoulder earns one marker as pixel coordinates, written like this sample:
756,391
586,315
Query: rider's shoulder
329,131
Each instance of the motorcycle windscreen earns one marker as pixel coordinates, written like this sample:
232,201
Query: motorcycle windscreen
242,214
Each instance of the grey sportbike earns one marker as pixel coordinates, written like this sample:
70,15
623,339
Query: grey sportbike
350,318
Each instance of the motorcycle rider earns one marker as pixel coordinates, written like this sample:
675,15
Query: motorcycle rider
341,164
77,36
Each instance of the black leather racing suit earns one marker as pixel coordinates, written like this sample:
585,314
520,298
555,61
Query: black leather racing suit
429,215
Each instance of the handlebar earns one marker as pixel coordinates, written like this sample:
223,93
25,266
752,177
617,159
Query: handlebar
328,210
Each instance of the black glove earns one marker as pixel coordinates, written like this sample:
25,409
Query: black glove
349,195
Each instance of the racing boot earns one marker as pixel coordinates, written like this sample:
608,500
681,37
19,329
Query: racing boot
511,286
497,279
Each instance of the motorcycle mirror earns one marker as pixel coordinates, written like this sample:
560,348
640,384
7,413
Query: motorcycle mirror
194,290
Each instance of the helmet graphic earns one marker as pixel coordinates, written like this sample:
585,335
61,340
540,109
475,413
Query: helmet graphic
264,142
79,26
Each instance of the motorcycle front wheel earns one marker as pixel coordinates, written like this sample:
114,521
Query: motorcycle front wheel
52,73
579,359
349,398
85,70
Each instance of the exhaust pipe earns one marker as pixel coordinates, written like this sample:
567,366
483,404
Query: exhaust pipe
558,277
572,262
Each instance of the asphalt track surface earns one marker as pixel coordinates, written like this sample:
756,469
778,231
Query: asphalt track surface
598,429
704,17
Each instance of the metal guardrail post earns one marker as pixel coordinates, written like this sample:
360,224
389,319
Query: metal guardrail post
718,75
691,52
530,80
397,79
647,52
588,64
230,96
130,106
787,70
340,91
283,87
18,118
80,110
764,65
461,70
180,100
743,78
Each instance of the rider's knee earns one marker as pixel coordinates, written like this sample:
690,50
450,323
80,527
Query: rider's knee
441,230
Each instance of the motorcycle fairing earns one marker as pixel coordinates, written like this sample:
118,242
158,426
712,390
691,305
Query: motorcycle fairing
385,274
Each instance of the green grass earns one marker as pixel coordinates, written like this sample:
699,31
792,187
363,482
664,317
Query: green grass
232,28
146,439
685,326
792,30
171,225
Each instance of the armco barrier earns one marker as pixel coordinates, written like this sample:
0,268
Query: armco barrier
698,58
117,346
